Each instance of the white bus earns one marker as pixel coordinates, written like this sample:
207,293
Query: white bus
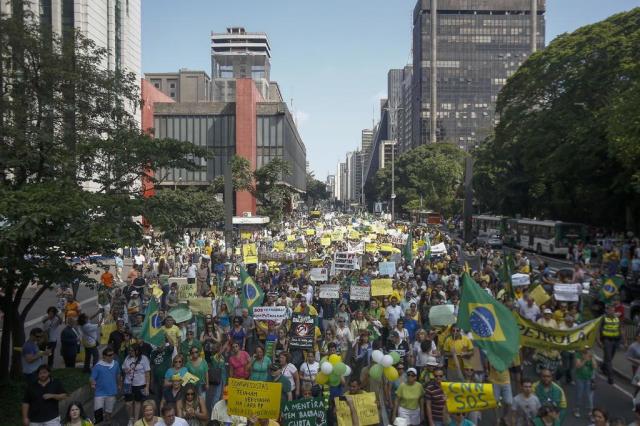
485,226
544,236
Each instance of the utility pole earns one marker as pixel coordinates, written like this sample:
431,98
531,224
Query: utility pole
534,25
393,181
228,207
434,71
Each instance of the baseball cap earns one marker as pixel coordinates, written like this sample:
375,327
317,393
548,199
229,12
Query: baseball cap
412,370
547,311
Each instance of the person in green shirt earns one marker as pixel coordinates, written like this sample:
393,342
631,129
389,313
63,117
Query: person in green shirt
160,363
585,367
277,377
260,365
409,399
199,368
547,416
190,342
550,393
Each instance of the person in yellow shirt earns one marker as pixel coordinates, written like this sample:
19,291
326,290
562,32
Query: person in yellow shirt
303,308
460,347
559,313
172,331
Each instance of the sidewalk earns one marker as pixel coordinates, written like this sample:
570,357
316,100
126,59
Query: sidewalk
621,366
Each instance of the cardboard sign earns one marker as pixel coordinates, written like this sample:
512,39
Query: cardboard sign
381,287
302,331
387,268
307,412
365,407
329,291
539,295
250,253
186,291
325,242
520,280
442,315
567,292
359,292
270,313
346,261
319,274
201,305
466,397
252,398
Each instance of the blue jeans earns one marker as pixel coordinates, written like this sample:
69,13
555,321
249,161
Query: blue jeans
584,393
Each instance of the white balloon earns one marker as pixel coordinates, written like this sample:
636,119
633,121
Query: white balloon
348,372
376,356
326,368
387,361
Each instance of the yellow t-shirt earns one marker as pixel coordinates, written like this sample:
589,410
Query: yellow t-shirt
459,345
312,310
173,334
499,378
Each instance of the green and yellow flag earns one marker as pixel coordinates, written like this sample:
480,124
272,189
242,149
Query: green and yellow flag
407,251
610,287
152,332
252,294
491,323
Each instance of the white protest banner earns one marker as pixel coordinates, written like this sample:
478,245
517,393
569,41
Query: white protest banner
567,292
387,268
359,292
358,248
319,274
439,249
519,280
442,315
346,261
329,291
270,313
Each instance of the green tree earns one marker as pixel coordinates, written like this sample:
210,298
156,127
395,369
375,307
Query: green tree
66,126
316,190
567,143
432,172
272,194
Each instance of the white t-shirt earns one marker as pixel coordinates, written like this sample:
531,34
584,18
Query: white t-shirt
393,313
288,372
191,271
179,421
309,371
134,372
529,312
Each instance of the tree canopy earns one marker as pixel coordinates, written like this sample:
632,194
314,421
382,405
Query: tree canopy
433,172
568,143
316,190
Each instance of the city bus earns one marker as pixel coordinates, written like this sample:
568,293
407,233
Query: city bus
544,236
485,226
426,217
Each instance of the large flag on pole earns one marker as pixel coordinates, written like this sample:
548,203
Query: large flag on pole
152,332
407,251
252,294
491,323
508,266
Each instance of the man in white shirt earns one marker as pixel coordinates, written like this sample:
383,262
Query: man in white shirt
192,270
169,417
529,309
393,312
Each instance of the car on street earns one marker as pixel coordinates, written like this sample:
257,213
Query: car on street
495,241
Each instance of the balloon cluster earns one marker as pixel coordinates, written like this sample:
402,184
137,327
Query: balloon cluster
331,370
384,364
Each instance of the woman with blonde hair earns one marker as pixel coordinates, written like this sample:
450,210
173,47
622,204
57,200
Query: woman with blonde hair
149,417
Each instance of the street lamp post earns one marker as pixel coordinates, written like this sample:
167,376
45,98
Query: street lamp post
393,180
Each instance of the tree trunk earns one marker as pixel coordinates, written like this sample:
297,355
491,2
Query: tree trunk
5,345
17,334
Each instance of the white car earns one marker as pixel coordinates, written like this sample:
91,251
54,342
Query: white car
495,241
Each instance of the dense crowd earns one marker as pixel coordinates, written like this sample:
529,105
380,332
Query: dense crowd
225,341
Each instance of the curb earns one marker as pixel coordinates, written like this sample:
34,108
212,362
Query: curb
616,370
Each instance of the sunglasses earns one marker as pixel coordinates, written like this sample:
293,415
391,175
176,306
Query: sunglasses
414,374
190,394
177,362
438,376
111,354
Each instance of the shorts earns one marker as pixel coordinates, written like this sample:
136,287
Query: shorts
136,394
52,422
411,416
105,402
504,393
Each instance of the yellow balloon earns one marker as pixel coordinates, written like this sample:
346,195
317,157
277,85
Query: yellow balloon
334,359
390,373
322,378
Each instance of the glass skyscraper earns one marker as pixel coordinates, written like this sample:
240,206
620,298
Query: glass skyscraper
479,45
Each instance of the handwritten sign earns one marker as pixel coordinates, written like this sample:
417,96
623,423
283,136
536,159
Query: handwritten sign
253,398
381,287
270,313
365,407
346,261
465,397
307,412
186,290
387,268
201,305
329,291
359,292
319,274
567,292
250,253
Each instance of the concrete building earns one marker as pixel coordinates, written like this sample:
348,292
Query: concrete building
356,177
113,25
394,97
182,86
366,143
236,54
386,154
331,186
461,63
342,173
405,119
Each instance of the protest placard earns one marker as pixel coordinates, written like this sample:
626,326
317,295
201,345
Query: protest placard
442,315
346,261
325,242
365,407
567,292
387,268
465,397
520,280
253,398
304,412
279,245
381,287
302,331
359,292
539,295
537,336
270,313
439,249
319,274
250,253
201,305
185,290
329,291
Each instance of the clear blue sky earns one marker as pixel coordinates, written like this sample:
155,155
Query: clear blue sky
330,56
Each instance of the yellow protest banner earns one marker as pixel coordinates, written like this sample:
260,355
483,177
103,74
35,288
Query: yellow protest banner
250,253
291,238
354,235
325,242
539,295
337,236
200,305
465,397
244,235
279,245
301,250
253,398
537,336
310,232
156,291
189,378
365,407
381,287
370,248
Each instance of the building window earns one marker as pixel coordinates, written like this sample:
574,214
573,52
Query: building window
172,86
172,94
157,85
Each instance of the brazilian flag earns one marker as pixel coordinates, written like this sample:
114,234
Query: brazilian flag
508,266
252,294
491,323
610,287
152,332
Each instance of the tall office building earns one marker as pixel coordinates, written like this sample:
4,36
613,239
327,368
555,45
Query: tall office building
182,86
356,176
239,54
331,186
113,25
394,97
477,45
405,121
366,143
